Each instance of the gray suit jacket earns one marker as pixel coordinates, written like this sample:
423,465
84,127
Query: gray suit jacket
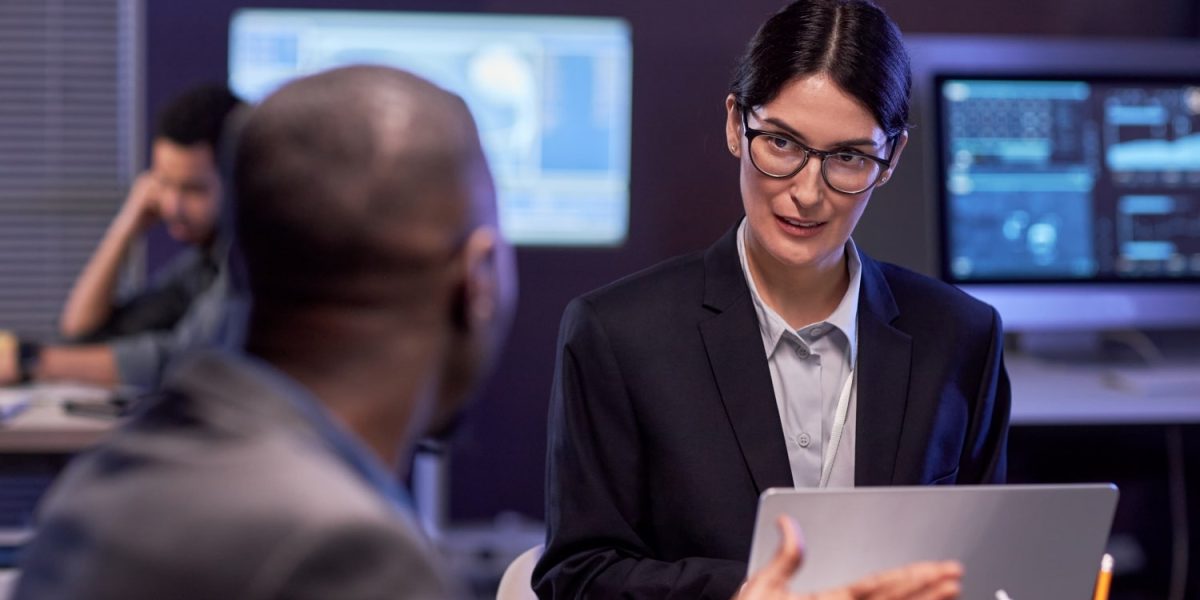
220,488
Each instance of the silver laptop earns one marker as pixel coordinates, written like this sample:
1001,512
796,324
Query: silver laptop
1018,542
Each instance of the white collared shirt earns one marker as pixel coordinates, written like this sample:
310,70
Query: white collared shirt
809,368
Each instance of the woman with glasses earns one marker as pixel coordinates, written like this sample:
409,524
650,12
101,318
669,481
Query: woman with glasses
781,355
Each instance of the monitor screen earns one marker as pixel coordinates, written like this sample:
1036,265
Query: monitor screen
1069,179
551,96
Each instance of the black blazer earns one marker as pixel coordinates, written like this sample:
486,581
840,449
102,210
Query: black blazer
664,428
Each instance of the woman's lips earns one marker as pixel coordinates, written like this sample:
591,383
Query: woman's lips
800,227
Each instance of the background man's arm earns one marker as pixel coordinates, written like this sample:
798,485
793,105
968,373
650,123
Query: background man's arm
91,299
93,364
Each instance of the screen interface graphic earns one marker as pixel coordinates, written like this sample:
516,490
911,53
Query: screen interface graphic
1063,179
551,96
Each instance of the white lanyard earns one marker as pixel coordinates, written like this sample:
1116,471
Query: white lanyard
839,425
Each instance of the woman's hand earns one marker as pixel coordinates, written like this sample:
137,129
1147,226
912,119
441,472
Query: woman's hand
918,581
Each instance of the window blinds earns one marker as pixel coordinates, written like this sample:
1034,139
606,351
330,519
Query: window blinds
69,125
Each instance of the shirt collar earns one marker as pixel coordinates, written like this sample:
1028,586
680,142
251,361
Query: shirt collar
348,448
845,317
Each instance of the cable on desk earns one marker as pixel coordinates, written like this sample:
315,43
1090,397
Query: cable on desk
1177,490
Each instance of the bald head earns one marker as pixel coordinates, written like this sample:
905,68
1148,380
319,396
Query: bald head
352,180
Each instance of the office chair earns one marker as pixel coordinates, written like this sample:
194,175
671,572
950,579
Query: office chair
515,584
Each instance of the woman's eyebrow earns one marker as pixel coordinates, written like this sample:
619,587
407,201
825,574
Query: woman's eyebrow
799,136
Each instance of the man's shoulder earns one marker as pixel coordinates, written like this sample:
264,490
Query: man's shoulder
223,443
357,559
217,510
170,463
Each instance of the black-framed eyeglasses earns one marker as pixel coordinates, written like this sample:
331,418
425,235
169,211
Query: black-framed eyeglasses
779,156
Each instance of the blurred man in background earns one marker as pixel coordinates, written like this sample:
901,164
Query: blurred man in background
129,339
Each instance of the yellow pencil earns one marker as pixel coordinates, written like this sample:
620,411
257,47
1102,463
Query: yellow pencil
1104,579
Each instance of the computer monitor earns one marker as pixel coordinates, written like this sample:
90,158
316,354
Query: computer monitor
551,95
1066,177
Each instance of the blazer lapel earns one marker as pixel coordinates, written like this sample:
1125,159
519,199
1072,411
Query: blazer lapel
739,366
884,363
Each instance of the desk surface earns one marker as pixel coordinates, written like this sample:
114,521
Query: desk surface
44,427
1058,393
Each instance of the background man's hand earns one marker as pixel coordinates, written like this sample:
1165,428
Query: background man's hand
920,581
141,205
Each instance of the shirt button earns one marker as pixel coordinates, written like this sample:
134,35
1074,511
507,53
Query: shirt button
804,440
802,352
816,331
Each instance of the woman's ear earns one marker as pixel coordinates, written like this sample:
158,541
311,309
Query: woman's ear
733,126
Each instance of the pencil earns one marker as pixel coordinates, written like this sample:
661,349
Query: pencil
1104,579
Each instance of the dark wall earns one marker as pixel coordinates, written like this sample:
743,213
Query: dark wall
684,188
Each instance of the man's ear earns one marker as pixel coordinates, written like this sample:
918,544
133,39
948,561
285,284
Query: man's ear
476,301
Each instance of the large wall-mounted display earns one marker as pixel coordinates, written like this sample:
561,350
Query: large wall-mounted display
551,95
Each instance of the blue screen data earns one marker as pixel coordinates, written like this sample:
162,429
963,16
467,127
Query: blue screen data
551,96
1070,179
